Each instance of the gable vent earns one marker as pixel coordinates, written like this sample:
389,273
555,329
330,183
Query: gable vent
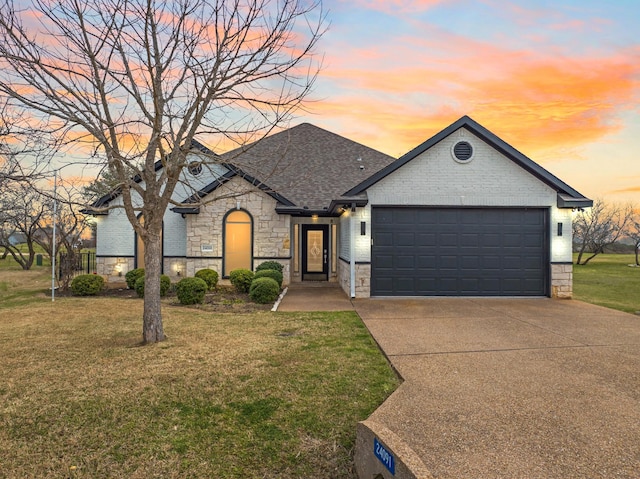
463,151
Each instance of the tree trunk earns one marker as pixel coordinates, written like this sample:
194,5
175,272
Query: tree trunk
637,251
152,330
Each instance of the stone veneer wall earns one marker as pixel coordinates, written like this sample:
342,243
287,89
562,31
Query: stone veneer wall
108,267
271,231
562,280
363,278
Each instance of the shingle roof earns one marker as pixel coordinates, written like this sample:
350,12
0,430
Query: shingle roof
307,165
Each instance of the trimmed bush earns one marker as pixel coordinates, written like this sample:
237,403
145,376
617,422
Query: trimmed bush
264,290
209,276
241,279
165,285
87,285
132,276
191,290
270,265
269,273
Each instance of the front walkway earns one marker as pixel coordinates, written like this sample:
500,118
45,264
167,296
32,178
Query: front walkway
315,296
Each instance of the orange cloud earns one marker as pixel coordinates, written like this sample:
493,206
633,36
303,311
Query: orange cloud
535,100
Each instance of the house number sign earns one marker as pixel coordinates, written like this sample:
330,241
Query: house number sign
384,456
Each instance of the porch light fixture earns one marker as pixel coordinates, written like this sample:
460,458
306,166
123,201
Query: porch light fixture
238,204
559,229
314,217
363,228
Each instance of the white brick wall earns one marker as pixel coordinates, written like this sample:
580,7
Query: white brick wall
434,178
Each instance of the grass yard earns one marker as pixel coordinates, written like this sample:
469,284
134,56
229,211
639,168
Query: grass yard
608,280
260,395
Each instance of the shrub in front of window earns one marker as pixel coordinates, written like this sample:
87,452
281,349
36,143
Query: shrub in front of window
165,285
270,265
132,276
209,276
264,290
241,279
87,285
269,273
191,290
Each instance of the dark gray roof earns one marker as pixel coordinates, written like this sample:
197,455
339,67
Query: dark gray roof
307,165
567,196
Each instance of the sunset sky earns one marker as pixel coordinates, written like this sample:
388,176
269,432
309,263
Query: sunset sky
557,79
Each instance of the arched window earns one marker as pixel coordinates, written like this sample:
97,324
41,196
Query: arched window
238,241
139,246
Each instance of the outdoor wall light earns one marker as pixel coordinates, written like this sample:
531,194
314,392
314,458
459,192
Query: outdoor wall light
314,217
559,229
363,228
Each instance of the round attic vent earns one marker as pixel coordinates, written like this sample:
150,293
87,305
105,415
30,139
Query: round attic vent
195,168
463,151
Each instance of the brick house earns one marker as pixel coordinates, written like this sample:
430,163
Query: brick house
462,214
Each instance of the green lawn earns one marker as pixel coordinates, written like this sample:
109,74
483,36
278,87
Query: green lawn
261,395
608,280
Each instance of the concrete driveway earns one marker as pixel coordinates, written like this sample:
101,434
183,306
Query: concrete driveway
504,388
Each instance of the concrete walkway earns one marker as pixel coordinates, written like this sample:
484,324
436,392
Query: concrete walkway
504,388
315,296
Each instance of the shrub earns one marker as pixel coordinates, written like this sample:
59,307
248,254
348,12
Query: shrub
132,276
165,285
264,290
191,290
241,279
270,265
209,276
87,285
269,273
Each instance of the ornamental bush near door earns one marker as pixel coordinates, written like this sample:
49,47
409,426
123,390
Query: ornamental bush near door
165,285
264,290
191,290
270,265
269,273
209,276
87,285
241,279
132,276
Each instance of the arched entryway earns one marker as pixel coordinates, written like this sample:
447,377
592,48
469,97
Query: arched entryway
237,241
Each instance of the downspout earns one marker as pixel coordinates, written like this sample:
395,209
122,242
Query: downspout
352,253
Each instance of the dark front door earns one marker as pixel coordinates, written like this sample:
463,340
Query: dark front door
315,252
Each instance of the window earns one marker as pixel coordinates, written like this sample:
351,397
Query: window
238,241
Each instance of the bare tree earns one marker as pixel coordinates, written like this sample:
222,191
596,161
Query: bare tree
136,80
633,231
22,212
70,226
598,227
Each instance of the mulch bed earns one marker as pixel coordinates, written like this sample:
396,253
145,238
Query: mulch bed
224,299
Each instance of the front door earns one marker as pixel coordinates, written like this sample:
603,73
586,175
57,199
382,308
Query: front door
315,252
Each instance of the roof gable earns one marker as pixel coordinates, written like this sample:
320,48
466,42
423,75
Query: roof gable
567,196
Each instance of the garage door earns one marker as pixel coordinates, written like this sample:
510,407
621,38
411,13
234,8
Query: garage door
459,252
